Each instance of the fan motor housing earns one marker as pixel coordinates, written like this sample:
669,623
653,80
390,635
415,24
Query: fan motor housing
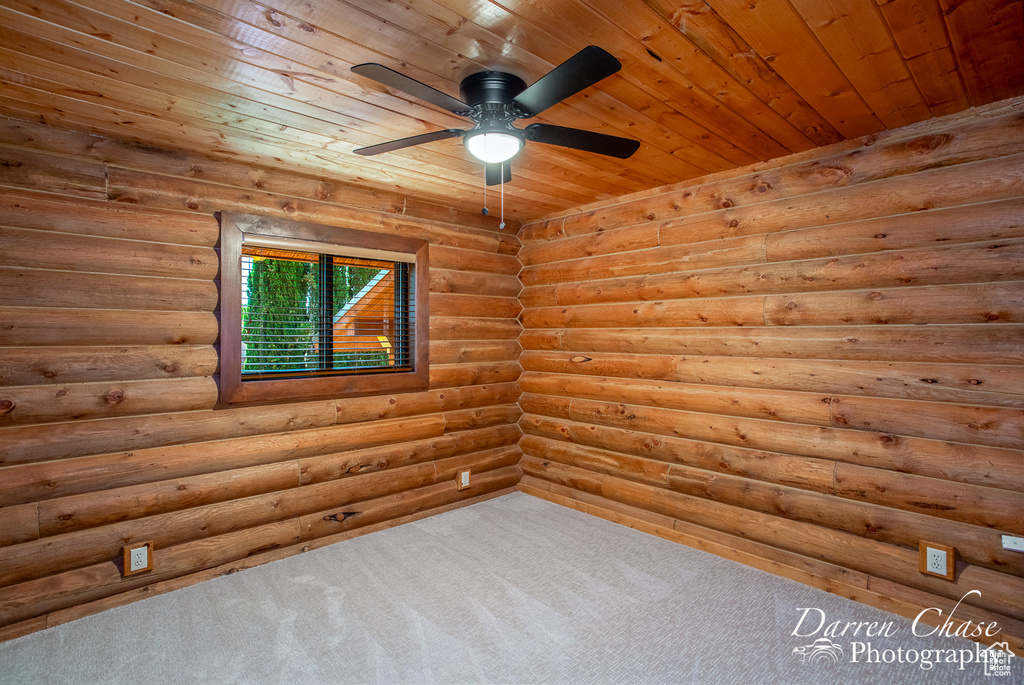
497,87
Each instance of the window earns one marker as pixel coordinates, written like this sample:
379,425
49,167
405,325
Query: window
311,311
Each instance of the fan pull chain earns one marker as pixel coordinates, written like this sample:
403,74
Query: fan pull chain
502,224
485,211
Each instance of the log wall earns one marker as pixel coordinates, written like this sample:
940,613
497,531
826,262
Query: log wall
109,432
808,365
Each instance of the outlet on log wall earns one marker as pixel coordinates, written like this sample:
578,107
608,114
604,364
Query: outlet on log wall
808,365
108,362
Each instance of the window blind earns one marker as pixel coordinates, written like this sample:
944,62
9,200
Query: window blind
307,313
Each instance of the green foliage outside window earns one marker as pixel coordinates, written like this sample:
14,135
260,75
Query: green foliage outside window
281,313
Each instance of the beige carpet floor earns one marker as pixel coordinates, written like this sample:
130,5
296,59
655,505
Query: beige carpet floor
513,590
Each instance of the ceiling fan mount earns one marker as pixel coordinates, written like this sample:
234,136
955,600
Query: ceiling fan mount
494,100
491,87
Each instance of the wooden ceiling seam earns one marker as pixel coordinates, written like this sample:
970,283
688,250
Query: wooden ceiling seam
707,86
1012,108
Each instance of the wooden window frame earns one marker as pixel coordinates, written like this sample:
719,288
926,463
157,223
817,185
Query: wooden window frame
234,390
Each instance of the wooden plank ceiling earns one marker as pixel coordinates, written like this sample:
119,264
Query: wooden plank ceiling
705,85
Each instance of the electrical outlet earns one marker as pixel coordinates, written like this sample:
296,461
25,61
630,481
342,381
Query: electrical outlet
1013,542
937,560
463,479
137,557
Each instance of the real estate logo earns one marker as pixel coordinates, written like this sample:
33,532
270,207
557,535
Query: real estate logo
997,660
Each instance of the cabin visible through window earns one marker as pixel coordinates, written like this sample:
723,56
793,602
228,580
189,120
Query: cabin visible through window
305,313
310,311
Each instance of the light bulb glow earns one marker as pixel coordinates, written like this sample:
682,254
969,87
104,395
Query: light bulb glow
493,148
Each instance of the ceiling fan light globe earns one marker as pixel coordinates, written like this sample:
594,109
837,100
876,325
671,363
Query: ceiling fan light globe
493,148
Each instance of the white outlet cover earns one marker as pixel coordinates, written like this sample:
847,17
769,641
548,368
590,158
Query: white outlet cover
937,561
465,478
1013,542
139,558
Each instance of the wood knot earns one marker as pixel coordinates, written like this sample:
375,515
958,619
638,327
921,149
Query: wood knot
992,317
6,406
258,184
832,174
192,204
651,217
876,295
66,517
879,235
340,517
290,209
974,381
734,223
49,374
926,144
115,396
181,487
727,203
170,368
791,305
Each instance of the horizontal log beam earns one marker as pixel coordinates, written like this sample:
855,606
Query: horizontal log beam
36,404
30,248
54,555
95,474
58,365
931,458
998,344
991,261
980,384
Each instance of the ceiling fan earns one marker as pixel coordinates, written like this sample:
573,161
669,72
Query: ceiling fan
493,100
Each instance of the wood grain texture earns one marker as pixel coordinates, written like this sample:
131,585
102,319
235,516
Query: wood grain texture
109,422
838,327
237,90
822,357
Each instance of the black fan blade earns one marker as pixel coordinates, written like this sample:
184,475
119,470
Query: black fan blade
493,173
409,142
582,70
393,79
588,141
